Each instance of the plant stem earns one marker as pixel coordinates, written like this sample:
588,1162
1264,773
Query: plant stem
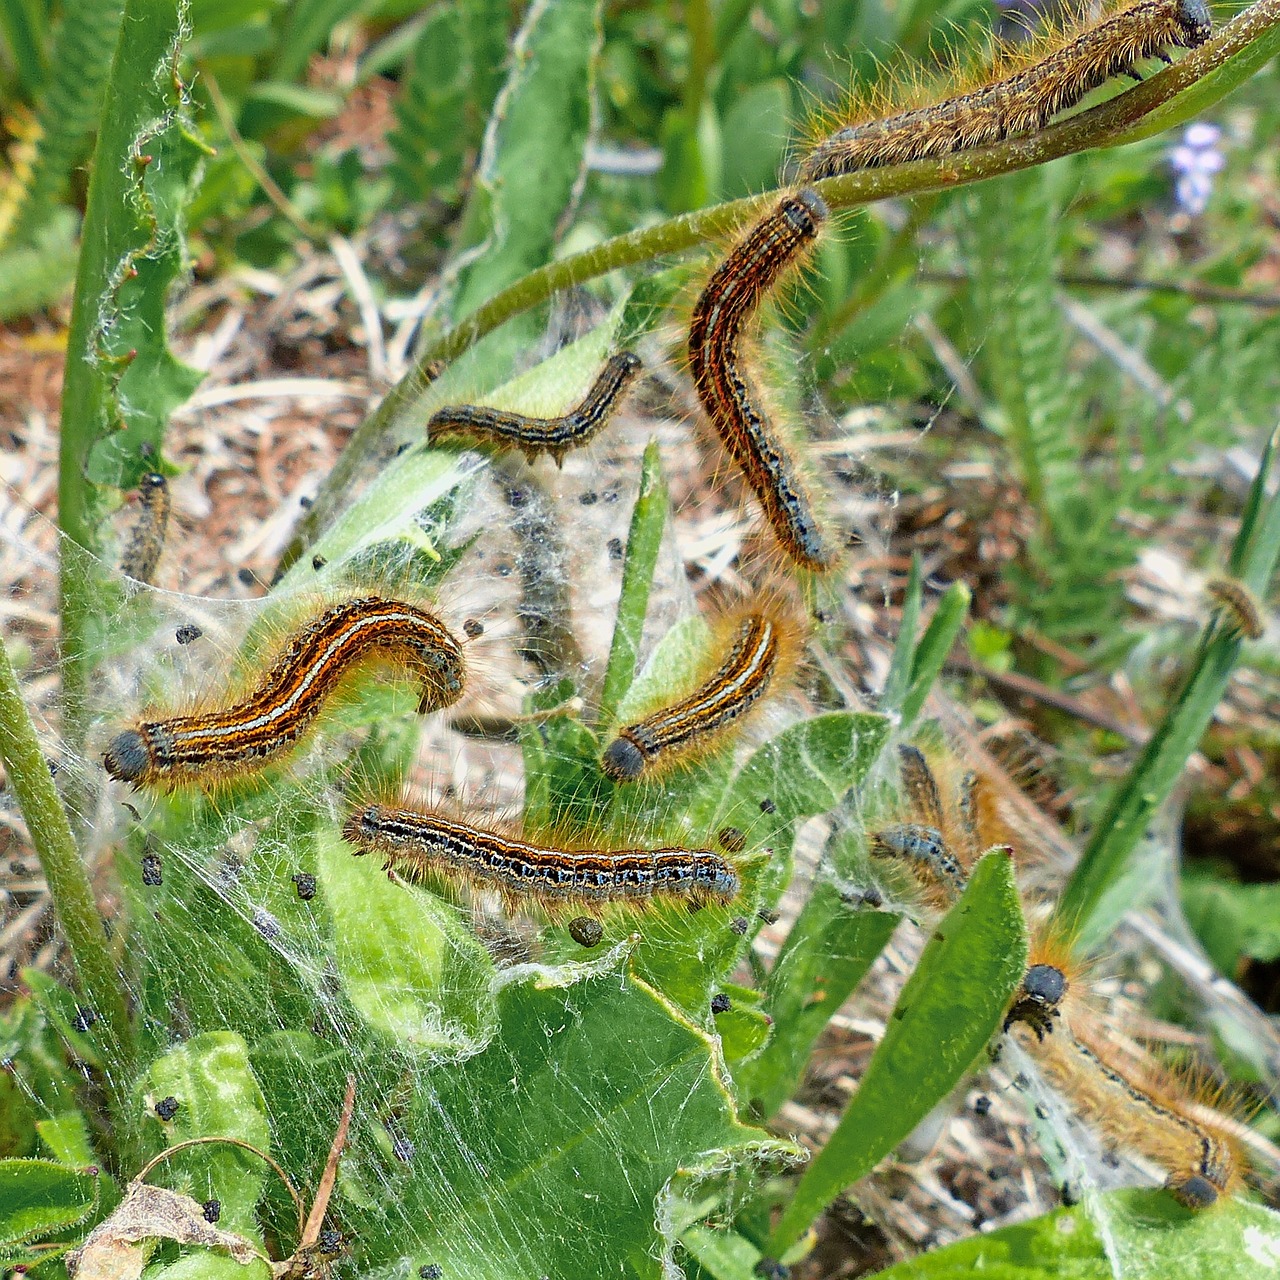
1119,120
1098,894
64,872
702,54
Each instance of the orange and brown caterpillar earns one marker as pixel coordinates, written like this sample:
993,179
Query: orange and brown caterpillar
732,295
556,436
761,653
146,542
430,846
1134,1107
281,708
1023,99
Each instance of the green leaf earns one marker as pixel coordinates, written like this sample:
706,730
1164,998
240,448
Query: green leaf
1232,920
420,977
549,1150
67,1137
806,770
446,92
756,129
826,955
1012,230
534,148
1147,1237
725,1255
393,530
648,519
217,1095
947,1012
934,647
898,680
39,1197
155,171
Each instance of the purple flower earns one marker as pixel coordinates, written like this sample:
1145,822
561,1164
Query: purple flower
1195,161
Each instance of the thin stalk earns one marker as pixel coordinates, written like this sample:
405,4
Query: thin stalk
1121,119
64,872
702,54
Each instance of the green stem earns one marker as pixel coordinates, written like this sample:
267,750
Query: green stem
702,54
1098,893
1109,124
64,872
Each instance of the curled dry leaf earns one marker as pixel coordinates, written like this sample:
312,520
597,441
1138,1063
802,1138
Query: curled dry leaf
117,1248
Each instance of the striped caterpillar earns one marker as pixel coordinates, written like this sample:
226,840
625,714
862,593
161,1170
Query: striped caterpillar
146,542
1033,85
732,295
1135,1107
761,647
430,846
532,436
288,697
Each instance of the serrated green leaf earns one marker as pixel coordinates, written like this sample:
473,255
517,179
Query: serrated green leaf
78,63
39,1197
420,976
947,1012
1012,231
154,177
1148,1237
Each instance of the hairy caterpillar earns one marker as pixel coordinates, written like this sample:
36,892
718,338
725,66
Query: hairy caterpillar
146,542
1135,1107
532,436
1238,606
1034,84
290,694
940,846
431,846
732,295
761,648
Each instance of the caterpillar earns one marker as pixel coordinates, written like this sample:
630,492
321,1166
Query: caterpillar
318,658
1134,1108
1238,607
940,845
761,646
532,436
731,296
1022,100
146,542
430,846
